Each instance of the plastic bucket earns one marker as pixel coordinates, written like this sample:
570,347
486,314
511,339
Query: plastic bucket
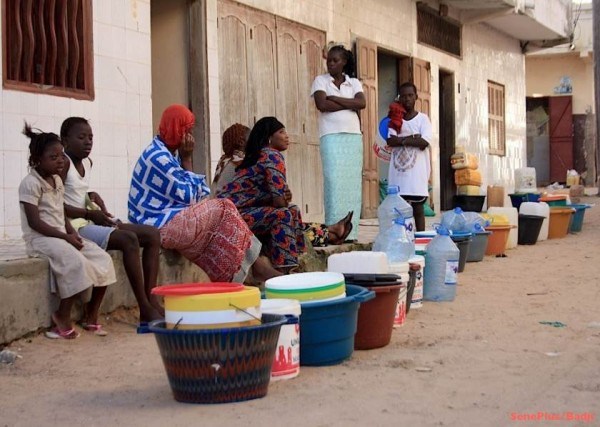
287,356
577,219
469,203
529,228
463,242
218,365
559,222
376,317
210,305
498,239
518,198
311,286
417,296
479,243
328,328
555,200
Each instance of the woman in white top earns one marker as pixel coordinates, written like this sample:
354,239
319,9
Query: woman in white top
410,165
339,96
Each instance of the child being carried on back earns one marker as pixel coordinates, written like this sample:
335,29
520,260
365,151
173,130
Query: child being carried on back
76,263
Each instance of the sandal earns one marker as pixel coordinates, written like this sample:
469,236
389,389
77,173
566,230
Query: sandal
66,334
95,328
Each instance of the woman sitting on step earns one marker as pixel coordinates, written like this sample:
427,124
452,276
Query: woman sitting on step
260,191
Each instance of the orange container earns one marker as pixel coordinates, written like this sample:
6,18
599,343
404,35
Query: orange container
498,239
558,227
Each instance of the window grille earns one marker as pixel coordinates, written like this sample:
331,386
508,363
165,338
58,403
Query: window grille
496,119
438,32
47,47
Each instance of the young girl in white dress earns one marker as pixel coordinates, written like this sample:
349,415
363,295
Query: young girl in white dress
76,263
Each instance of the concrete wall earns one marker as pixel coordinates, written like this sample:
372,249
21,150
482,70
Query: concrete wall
26,303
488,55
544,74
120,115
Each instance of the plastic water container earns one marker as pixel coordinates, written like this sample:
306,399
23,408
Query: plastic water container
287,356
364,262
441,273
525,180
391,208
417,296
513,219
539,209
454,220
395,243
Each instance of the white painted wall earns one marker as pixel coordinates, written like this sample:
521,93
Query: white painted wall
488,55
120,115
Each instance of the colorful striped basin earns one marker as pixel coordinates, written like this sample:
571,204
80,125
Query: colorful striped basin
306,286
210,305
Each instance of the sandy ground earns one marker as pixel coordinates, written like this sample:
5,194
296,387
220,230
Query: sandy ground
491,361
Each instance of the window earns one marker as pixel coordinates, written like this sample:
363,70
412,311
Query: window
496,122
437,31
47,47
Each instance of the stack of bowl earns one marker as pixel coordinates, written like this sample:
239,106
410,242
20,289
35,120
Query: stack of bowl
210,305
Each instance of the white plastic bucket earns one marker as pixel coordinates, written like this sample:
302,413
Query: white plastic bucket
540,209
400,316
401,269
417,296
287,357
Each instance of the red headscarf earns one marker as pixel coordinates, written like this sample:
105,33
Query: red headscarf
396,115
176,120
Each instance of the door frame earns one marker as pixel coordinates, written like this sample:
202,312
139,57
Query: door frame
447,121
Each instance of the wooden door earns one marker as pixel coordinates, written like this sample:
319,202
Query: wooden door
247,64
299,60
421,77
367,73
561,137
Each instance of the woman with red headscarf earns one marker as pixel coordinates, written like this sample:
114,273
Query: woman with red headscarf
166,193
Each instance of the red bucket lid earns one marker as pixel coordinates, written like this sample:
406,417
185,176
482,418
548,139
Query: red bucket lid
184,289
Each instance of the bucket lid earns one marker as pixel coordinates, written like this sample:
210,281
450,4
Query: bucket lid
310,280
373,280
186,289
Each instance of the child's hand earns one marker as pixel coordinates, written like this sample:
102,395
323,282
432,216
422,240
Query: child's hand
75,240
287,194
95,198
100,218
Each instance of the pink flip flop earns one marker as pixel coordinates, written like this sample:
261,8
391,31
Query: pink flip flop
95,328
67,334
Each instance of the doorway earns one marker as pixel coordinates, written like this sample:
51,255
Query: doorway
447,138
391,67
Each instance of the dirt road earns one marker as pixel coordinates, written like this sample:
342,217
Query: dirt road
488,361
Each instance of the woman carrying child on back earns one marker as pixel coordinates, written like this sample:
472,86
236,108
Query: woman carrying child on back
76,263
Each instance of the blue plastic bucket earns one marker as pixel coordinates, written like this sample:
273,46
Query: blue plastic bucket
328,327
577,218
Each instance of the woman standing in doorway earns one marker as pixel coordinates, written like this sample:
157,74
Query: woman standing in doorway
339,96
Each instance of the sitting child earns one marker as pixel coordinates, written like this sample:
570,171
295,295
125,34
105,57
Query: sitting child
76,263
93,221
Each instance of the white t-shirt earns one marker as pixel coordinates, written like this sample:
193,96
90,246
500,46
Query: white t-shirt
410,167
343,121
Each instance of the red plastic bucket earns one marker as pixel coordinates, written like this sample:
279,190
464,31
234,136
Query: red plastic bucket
376,318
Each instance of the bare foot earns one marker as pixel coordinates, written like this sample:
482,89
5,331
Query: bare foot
263,270
155,302
61,323
149,313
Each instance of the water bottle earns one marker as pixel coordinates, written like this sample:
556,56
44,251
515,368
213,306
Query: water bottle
474,222
441,271
395,242
454,220
392,207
